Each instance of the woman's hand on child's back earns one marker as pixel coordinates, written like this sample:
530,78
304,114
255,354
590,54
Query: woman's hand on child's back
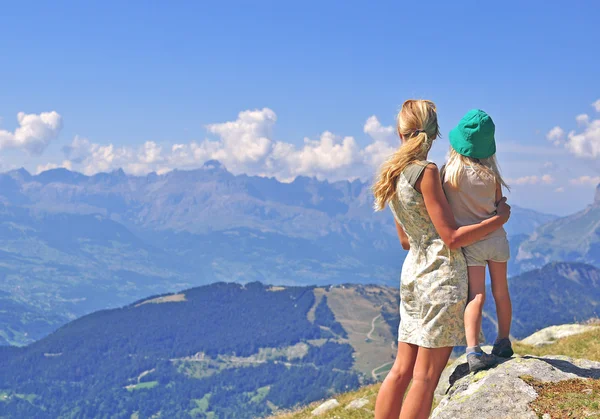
503,209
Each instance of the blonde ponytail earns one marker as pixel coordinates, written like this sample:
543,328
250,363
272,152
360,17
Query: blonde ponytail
417,125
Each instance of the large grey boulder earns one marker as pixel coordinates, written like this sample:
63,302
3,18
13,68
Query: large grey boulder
551,334
500,392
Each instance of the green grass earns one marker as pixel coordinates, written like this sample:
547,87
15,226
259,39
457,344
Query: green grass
384,368
201,405
261,393
143,386
369,392
5,397
585,345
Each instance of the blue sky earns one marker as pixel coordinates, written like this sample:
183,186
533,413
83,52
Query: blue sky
143,76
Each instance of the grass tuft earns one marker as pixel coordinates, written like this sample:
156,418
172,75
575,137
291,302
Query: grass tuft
585,346
575,398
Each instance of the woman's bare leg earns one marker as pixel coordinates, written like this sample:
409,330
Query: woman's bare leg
426,374
474,309
391,393
501,297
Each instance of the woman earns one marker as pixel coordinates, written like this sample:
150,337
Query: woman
434,285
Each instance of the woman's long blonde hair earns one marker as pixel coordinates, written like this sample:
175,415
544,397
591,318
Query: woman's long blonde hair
485,168
417,124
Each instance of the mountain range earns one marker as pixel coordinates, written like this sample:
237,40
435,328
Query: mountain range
71,244
243,351
574,238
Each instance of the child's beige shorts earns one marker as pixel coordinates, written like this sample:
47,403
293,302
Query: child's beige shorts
493,249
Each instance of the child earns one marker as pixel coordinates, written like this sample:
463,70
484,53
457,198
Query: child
473,185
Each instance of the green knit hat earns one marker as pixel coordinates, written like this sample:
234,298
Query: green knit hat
474,135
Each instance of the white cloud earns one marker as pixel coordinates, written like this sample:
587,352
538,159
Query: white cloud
92,158
385,142
246,145
532,180
583,119
329,157
585,144
43,167
378,132
556,135
246,139
34,132
560,189
586,181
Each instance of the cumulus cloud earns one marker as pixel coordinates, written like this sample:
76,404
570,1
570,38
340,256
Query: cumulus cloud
556,135
532,180
43,167
384,144
378,132
586,143
329,157
586,181
246,145
92,158
34,132
583,119
247,139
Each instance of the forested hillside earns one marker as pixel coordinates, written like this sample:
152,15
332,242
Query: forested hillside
222,350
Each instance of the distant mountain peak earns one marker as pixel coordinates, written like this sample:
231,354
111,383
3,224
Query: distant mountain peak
21,173
597,195
61,175
213,165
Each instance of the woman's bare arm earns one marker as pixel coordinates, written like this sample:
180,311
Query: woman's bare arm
402,236
441,214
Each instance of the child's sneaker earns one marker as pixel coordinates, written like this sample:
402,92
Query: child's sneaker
480,361
503,348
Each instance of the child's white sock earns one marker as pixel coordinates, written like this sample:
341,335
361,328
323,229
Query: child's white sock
476,349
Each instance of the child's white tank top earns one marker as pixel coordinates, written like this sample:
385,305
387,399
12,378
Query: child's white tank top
474,200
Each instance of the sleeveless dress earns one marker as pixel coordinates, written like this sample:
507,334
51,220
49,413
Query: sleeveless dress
434,283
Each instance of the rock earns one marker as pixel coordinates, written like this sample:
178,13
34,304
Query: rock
324,407
553,333
358,403
546,416
457,369
500,392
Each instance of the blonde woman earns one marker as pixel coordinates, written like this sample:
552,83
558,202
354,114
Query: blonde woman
473,185
434,281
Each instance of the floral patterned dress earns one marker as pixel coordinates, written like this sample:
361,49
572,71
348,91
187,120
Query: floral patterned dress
434,284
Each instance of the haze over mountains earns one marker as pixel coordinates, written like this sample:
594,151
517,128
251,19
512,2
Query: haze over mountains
71,244
575,237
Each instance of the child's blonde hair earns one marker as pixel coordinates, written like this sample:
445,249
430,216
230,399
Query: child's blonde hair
417,123
485,168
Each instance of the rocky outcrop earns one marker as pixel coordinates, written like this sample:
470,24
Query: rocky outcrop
551,334
502,392
362,403
324,407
